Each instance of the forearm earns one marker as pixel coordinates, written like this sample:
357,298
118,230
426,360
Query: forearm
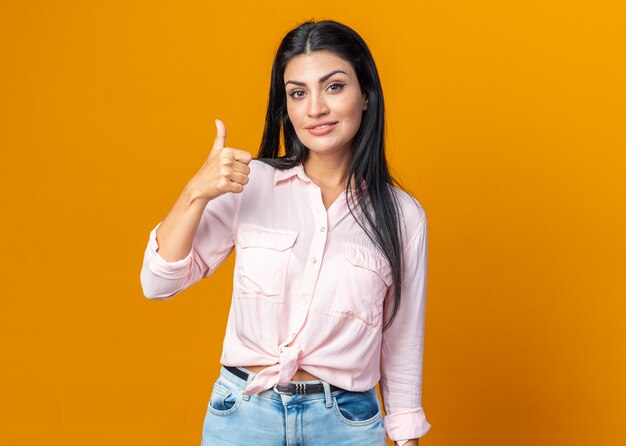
176,232
413,442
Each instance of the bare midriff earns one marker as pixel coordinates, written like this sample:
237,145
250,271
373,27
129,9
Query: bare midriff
300,374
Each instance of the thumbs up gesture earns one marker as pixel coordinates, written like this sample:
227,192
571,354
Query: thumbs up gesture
225,170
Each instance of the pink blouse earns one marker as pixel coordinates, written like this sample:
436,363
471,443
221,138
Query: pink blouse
308,291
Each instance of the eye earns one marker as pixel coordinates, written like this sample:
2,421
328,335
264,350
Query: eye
294,95
336,84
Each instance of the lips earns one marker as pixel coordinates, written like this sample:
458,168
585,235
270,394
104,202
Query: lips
322,128
318,124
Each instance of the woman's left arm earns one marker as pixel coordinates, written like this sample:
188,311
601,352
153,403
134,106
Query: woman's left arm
403,345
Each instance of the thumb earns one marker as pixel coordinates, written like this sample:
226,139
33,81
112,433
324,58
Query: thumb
220,138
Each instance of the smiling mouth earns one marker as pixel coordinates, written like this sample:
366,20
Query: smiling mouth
319,127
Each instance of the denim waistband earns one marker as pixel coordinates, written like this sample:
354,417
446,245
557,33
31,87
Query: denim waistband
271,393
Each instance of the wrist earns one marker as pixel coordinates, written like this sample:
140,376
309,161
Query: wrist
192,197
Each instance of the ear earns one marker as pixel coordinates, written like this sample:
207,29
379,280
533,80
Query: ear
365,104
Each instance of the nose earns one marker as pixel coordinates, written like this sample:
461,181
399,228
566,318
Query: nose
317,105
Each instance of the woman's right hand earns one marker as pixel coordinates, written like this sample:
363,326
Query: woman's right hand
225,170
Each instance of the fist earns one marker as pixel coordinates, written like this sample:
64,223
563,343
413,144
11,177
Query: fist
225,170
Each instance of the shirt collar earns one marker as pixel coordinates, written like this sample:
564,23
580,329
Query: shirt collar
297,170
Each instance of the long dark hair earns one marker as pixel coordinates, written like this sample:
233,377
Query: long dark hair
380,220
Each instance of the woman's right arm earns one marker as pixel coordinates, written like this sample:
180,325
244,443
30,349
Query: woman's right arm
174,235
196,236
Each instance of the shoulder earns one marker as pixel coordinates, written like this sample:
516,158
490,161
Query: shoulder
260,167
412,212
261,181
260,172
411,208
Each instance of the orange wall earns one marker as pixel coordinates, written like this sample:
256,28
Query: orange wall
506,120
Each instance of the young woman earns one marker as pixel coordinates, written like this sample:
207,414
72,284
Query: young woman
330,278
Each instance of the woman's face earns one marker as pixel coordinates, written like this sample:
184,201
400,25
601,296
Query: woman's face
323,88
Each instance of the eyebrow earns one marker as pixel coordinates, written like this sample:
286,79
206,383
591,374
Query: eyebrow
322,79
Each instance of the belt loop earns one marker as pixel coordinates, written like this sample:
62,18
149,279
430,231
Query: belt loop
248,380
329,399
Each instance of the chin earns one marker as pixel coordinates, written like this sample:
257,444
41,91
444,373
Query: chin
324,148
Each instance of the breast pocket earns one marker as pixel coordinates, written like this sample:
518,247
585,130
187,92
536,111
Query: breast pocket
361,287
262,261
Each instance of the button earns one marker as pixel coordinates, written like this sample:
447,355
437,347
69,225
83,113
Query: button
322,229
314,260
304,300
293,334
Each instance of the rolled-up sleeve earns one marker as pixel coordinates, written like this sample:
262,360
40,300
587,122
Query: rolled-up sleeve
403,346
212,243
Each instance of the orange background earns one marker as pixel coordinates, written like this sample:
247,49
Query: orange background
506,120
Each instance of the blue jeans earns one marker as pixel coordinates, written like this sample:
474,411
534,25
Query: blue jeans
338,418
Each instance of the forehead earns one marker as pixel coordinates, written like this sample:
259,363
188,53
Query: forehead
313,65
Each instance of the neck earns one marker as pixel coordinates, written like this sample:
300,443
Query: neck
327,171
